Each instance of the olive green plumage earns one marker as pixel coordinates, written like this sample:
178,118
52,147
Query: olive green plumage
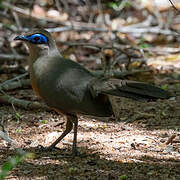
70,89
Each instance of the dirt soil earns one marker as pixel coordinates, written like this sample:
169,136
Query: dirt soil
132,146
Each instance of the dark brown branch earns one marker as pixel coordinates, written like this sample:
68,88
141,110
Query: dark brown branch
174,6
170,140
8,100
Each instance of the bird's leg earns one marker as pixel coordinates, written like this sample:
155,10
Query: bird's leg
74,148
69,126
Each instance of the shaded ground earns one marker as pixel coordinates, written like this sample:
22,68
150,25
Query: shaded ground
135,149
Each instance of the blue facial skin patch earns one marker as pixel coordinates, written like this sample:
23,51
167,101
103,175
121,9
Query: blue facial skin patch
37,39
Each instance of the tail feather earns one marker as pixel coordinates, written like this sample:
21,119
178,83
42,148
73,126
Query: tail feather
144,89
130,89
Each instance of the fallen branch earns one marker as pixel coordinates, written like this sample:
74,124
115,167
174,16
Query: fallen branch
5,136
15,85
6,99
136,31
13,79
119,74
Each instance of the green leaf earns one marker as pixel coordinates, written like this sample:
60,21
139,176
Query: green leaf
143,45
123,177
18,130
127,4
43,121
163,113
165,86
113,5
18,116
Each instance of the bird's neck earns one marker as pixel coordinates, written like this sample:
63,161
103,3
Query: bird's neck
37,52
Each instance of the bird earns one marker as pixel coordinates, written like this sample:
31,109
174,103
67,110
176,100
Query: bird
70,89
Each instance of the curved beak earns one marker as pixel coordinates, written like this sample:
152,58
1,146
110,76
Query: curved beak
21,37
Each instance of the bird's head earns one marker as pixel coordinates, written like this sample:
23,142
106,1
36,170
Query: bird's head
39,41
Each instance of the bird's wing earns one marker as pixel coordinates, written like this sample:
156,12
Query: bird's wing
125,88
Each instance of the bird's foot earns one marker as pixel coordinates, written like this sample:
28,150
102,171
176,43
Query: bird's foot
75,152
49,148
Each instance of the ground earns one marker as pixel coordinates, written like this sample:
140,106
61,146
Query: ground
133,146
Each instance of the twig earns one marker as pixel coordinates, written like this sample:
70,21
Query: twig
5,136
146,23
124,49
2,14
139,31
162,51
26,13
99,5
97,46
58,5
60,29
66,6
9,57
136,31
12,69
174,6
13,79
17,20
14,85
170,139
6,99
90,11
118,74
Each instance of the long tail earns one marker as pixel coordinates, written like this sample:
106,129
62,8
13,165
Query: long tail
130,89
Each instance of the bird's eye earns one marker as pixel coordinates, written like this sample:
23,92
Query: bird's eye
36,38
